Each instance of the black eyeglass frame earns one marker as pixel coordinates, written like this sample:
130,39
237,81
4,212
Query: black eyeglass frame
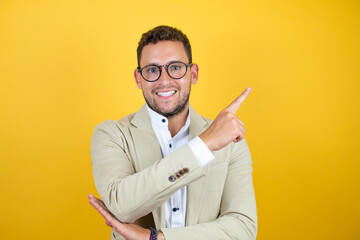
166,66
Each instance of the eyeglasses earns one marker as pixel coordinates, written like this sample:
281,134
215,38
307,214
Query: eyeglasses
152,73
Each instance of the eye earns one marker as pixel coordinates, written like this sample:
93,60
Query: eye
175,67
152,69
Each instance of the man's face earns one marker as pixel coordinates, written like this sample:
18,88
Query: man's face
156,94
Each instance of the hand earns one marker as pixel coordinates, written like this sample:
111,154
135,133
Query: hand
226,128
130,231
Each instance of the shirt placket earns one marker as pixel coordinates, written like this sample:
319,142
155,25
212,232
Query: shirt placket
176,205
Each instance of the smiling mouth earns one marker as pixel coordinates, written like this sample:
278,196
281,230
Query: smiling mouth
166,94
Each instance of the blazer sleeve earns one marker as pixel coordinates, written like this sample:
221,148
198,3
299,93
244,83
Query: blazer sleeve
238,216
130,195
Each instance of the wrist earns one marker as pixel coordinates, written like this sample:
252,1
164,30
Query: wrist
206,141
160,235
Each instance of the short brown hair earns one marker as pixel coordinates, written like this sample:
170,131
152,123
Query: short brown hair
163,33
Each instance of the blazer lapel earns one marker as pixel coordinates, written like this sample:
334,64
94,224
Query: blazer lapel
196,190
147,150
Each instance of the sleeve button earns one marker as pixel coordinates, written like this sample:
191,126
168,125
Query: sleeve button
172,178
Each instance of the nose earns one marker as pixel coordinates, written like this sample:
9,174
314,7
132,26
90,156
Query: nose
164,77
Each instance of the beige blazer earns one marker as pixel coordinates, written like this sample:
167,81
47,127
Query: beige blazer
134,181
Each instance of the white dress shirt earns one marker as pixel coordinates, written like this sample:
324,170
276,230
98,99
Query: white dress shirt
175,207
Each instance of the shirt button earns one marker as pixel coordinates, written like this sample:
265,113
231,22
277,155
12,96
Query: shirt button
163,120
170,145
175,209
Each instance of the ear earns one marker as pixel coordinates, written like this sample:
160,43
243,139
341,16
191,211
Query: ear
194,70
138,77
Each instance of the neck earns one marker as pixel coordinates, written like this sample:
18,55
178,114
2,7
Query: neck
176,122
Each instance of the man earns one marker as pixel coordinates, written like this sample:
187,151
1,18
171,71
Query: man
168,168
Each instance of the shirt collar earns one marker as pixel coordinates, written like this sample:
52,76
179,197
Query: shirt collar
158,120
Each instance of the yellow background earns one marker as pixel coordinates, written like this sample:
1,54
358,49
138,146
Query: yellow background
65,66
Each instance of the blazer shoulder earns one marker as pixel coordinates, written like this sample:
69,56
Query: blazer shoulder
111,124
116,131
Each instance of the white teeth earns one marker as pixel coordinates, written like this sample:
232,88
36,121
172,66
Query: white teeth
165,94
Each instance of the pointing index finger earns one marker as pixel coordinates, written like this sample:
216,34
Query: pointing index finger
234,106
